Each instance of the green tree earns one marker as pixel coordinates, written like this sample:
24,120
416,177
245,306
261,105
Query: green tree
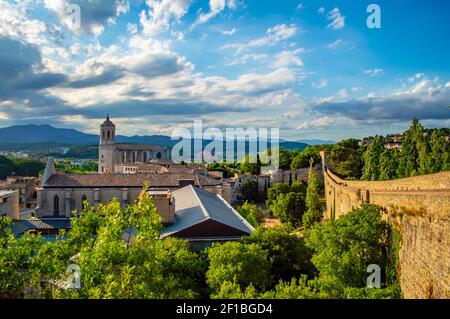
275,190
287,252
345,159
289,208
119,252
302,159
314,210
238,263
251,165
409,160
252,213
250,191
345,247
388,164
285,158
371,158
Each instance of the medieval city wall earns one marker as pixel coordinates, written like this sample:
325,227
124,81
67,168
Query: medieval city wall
419,207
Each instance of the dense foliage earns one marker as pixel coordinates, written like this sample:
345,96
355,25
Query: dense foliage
19,167
287,202
77,167
252,213
345,159
314,209
332,264
422,152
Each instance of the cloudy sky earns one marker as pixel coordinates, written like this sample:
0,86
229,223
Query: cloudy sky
311,68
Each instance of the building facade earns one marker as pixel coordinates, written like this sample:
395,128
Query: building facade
113,157
9,203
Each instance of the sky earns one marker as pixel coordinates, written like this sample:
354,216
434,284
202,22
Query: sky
311,68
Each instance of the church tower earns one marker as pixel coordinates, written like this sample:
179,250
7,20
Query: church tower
107,147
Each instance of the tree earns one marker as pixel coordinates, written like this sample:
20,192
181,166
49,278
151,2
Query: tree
314,209
408,165
285,158
287,252
250,191
371,158
252,213
249,166
346,246
119,252
275,190
289,208
388,165
235,262
345,159
302,159
439,155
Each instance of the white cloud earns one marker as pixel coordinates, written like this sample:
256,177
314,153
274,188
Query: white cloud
336,18
374,72
321,10
273,36
321,84
94,13
287,58
420,75
334,45
178,35
248,57
132,28
357,88
301,6
216,6
161,14
320,122
229,32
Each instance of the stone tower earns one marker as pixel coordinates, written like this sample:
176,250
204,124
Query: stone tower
107,147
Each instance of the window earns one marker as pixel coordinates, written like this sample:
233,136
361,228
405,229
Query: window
109,134
103,134
56,205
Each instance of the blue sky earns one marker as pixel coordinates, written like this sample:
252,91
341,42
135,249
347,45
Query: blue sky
311,68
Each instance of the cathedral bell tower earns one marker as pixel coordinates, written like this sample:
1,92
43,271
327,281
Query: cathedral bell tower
107,147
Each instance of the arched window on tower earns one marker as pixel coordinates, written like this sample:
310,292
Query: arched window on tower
109,134
103,134
56,205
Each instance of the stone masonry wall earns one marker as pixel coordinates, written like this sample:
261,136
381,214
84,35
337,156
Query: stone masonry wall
419,207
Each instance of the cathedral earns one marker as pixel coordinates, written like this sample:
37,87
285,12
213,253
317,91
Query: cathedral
113,157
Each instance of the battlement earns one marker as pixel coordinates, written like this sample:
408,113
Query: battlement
419,207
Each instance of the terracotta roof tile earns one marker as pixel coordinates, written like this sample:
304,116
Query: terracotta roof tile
124,180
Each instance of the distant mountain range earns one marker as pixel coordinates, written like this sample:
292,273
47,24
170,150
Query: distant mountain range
317,142
28,134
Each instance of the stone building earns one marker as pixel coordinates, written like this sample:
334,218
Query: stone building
113,157
26,186
9,203
61,194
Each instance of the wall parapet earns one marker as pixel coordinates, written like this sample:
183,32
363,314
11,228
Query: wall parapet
419,207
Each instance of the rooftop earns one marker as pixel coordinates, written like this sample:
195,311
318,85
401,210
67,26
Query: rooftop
5,193
125,180
194,206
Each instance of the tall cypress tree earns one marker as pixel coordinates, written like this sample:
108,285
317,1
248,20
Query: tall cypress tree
313,207
388,165
371,157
